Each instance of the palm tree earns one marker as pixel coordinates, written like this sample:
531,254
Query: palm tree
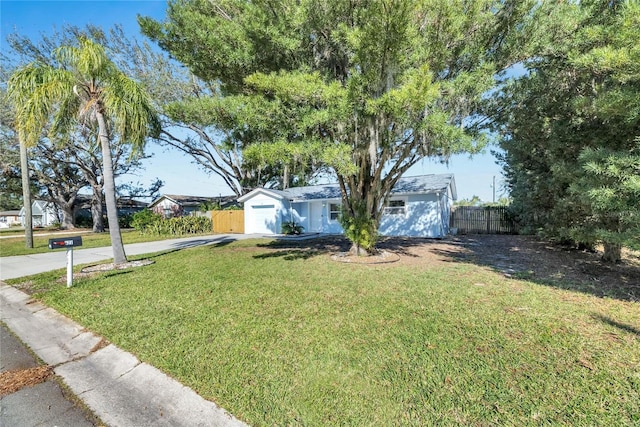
26,197
85,85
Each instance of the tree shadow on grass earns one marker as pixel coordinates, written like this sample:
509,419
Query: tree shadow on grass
114,273
622,326
213,241
304,249
545,263
291,250
290,255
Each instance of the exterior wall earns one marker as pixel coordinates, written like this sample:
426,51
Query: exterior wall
43,214
331,226
167,208
319,220
10,218
190,210
127,210
300,212
423,217
445,210
426,215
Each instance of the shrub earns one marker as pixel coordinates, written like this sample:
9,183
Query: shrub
125,221
54,226
84,221
178,226
291,228
144,218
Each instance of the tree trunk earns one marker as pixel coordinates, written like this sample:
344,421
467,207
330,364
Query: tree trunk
97,201
612,253
26,197
117,246
66,222
285,177
358,250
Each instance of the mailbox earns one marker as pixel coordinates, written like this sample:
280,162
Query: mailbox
65,242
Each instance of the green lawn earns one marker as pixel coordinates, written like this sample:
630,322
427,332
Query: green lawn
15,246
289,337
11,230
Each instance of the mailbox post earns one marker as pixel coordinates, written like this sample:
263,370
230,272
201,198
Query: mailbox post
69,243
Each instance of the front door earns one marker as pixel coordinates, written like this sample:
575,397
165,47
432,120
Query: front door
315,217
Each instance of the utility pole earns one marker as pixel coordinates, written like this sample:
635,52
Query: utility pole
494,188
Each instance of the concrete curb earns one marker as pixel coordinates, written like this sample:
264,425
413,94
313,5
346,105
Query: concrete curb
114,384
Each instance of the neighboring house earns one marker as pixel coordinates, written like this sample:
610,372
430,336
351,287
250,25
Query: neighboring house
43,214
46,213
9,218
170,205
125,205
419,206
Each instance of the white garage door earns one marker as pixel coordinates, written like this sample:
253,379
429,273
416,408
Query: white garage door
263,219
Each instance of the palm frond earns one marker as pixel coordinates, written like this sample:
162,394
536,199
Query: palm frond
131,110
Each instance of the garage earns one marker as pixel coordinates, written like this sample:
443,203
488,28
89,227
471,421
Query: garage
263,210
263,219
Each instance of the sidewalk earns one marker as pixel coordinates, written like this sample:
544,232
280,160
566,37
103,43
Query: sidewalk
114,384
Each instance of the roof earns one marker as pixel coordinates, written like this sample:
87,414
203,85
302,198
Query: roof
183,200
421,184
10,213
83,201
433,183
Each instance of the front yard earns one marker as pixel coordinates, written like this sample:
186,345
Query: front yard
12,246
464,332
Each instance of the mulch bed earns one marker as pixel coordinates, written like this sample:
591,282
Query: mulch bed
382,257
525,257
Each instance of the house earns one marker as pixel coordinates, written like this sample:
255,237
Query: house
9,218
125,205
419,206
170,205
43,214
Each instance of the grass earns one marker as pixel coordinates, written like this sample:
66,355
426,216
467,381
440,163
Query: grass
288,337
15,246
11,230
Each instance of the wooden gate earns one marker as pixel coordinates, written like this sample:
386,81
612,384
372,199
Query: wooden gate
482,220
228,221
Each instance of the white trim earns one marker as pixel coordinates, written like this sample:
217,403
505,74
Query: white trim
159,199
264,191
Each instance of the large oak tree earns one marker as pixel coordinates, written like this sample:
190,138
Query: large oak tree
377,85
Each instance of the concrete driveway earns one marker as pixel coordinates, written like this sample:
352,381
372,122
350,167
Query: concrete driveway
26,265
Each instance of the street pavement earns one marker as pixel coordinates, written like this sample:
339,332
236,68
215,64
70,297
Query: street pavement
114,385
39,404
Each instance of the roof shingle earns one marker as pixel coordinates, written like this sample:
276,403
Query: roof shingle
406,185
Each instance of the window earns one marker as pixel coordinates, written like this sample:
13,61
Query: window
396,207
334,211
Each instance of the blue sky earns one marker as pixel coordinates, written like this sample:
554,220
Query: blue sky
474,176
